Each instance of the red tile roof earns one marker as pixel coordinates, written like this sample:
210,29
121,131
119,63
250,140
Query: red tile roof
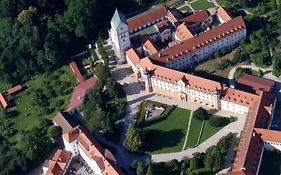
196,17
269,135
144,19
173,76
132,53
255,82
239,97
183,33
224,14
250,146
58,163
76,70
172,53
14,89
4,101
79,92
93,149
149,45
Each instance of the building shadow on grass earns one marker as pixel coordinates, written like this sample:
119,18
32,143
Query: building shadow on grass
157,139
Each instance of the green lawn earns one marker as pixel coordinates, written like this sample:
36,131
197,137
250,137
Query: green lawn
222,2
208,131
202,4
185,9
29,115
194,132
168,134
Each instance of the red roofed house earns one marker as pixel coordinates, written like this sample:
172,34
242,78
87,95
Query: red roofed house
79,142
59,163
76,71
14,90
4,101
79,94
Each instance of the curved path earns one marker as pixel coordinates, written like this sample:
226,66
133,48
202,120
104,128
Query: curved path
251,66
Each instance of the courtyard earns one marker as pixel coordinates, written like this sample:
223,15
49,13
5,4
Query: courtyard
195,5
173,130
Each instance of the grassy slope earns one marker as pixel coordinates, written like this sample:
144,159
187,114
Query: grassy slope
168,135
194,132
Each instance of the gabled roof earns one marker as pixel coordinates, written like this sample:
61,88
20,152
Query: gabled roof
65,121
14,89
173,76
79,92
224,14
269,135
132,53
196,17
183,33
146,18
118,18
149,45
172,53
93,149
256,83
76,71
58,163
4,101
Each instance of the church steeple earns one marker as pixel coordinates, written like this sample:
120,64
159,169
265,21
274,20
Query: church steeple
118,18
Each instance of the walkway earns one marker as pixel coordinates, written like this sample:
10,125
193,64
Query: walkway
234,127
187,131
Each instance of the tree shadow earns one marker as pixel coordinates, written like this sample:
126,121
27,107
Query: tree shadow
133,88
142,98
121,73
157,139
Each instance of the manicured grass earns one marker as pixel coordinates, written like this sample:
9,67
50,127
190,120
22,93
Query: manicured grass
168,134
194,132
202,4
185,9
208,131
29,115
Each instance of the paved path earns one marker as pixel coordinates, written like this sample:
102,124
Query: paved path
234,127
187,131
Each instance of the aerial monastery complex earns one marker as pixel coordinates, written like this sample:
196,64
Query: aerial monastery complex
160,43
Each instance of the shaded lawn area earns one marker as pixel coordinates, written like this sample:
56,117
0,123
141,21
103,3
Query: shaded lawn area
208,131
270,163
168,134
202,4
29,115
194,132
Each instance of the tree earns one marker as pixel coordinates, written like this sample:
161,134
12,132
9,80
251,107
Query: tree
194,163
109,124
276,65
200,114
149,169
140,168
133,140
217,121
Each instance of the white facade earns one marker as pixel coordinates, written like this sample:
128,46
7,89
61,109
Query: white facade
270,146
207,49
233,107
77,149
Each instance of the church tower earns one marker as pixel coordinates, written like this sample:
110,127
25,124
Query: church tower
119,34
